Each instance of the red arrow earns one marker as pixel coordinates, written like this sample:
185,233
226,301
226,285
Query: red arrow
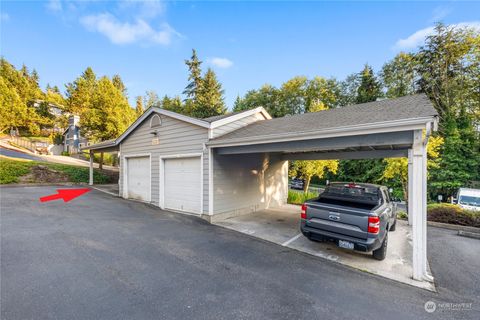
65,194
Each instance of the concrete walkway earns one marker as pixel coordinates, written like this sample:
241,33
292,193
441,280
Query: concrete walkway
111,189
281,226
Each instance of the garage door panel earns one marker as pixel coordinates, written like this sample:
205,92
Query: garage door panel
138,178
182,184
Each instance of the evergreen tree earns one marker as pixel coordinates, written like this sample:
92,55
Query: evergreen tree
367,170
237,105
118,83
369,88
173,104
139,106
210,101
195,78
79,93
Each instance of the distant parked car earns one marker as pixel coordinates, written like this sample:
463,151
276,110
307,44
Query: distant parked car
356,216
297,184
468,199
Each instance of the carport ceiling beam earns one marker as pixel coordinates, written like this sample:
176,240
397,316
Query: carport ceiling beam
337,143
372,154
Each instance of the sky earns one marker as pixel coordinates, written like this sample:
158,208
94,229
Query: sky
247,44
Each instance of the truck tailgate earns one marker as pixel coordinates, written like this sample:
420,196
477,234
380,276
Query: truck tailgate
351,222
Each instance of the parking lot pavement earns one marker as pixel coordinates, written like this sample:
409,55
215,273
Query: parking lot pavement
455,262
280,225
101,257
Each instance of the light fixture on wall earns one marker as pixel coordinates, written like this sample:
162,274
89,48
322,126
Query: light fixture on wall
154,133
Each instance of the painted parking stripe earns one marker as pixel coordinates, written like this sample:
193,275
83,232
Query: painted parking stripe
286,243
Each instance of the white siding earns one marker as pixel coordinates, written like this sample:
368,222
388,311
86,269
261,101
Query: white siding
229,127
175,137
248,183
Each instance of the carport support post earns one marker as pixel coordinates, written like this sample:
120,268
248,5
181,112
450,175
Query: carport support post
90,179
418,204
410,187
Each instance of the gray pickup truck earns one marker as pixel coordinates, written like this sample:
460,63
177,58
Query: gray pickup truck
356,216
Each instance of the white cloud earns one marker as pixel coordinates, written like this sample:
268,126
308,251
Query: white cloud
124,32
4,17
223,63
418,38
439,13
144,8
54,5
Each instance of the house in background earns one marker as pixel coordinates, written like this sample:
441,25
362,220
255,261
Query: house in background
54,111
72,138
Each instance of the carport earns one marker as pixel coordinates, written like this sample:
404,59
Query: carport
382,129
107,146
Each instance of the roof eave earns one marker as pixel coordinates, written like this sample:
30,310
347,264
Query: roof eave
386,126
227,120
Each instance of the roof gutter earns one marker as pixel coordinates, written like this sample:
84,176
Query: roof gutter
386,126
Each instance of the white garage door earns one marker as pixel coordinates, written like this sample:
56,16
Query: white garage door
138,178
182,190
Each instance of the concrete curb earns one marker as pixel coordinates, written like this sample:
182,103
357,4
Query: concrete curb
36,185
453,227
468,234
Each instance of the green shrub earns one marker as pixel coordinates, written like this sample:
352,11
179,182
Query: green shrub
453,214
80,174
402,215
299,197
65,153
56,138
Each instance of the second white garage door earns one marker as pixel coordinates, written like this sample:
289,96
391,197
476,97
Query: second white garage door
182,188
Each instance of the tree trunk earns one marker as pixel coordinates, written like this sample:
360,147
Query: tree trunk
100,164
405,192
306,184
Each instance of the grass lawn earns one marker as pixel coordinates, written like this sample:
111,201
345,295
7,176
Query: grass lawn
12,171
299,197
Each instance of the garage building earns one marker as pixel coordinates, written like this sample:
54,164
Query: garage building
238,163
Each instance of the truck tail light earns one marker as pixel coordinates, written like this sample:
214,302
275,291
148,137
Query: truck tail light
303,213
373,224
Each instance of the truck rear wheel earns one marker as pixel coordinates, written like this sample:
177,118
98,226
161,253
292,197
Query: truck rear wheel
394,225
381,252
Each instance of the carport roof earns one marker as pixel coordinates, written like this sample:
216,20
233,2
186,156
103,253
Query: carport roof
407,110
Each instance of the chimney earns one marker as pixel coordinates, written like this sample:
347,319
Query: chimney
73,120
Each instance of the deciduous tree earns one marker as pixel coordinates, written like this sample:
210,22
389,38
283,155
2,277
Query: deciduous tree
397,168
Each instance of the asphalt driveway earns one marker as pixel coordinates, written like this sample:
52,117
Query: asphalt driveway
104,257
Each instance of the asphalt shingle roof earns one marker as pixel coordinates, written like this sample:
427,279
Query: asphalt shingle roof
408,107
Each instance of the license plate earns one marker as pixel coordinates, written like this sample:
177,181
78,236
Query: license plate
345,244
